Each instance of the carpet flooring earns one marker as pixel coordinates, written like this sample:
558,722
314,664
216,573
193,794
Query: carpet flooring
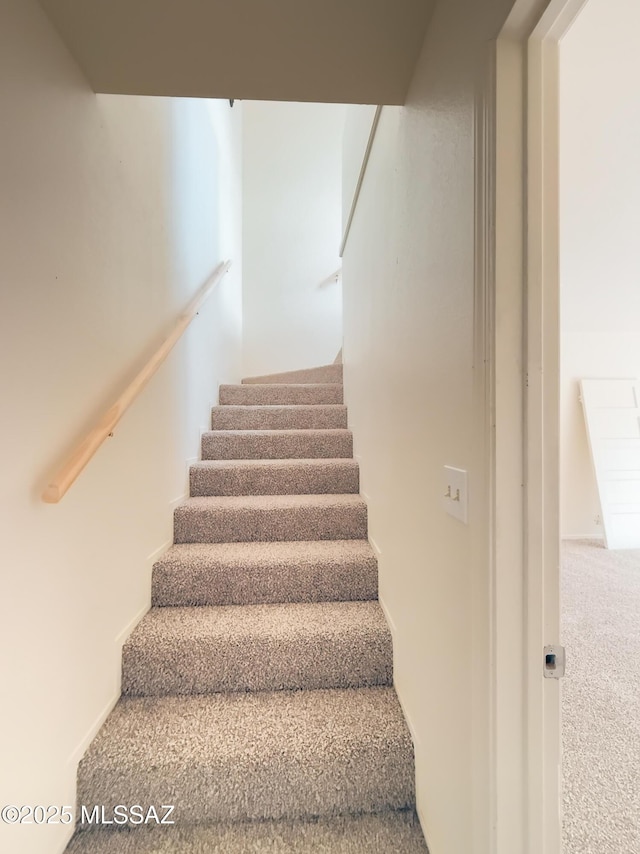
276,444
384,833
257,693
269,477
255,573
601,699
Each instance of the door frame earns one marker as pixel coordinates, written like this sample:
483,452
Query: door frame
527,345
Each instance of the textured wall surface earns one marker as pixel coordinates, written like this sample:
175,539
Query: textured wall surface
600,223
113,212
342,51
410,386
292,167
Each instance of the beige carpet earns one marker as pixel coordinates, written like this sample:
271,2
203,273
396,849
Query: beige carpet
389,833
601,699
257,693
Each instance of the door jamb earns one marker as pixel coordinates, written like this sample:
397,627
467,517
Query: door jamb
535,348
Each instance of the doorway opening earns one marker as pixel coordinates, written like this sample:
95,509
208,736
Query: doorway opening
599,298
604,682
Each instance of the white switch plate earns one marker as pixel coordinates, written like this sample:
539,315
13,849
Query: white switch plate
455,493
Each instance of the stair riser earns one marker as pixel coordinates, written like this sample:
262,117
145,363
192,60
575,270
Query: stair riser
262,585
279,418
355,659
326,374
277,395
239,446
236,716
200,525
293,480
393,832
241,790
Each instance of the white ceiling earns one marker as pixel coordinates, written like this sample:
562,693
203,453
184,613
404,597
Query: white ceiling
351,51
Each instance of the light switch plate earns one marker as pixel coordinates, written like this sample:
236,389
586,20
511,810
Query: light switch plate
455,493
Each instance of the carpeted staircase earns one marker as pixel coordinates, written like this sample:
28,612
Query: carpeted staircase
257,692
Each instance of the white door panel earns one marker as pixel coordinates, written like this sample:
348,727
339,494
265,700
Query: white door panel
624,456
621,495
612,415
624,530
614,424
614,394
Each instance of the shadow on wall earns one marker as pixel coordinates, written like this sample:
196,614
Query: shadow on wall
204,219
114,211
194,205
292,187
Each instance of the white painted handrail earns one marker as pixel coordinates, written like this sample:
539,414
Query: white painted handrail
73,466
363,169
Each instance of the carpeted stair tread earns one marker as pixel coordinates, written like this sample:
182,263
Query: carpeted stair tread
255,573
283,393
258,648
270,517
290,417
257,755
276,444
390,832
257,692
274,477
323,374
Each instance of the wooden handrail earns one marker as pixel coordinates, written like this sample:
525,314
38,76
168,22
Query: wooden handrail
334,277
67,474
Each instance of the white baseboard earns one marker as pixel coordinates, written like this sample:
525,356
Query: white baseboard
179,498
388,617
374,545
394,634
124,633
65,840
78,752
422,826
187,474
81,748
153,557
569,537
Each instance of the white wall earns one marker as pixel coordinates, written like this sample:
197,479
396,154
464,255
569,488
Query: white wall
600,229
112,213
410,388
291,235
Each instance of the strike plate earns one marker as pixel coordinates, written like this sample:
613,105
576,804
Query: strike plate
554,662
